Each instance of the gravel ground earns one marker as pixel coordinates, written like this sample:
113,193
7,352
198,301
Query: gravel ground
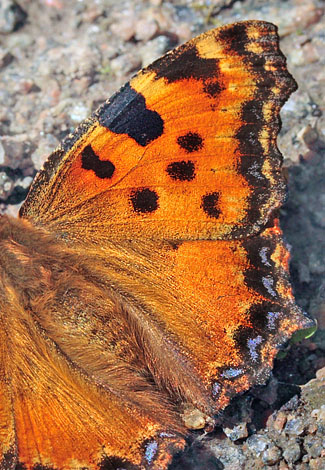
59,60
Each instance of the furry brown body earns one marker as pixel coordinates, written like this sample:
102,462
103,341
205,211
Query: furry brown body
67,295
70,346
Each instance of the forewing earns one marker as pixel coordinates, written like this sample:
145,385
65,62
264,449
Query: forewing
185,151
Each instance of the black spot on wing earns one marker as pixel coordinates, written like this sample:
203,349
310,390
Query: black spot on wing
116,463
265,285
9,460
235,38
210,204
265,316
259,253
183,64
249,343
20,466
182,171
190,142
251,115
90,161
144,200
261,274
175,244
126,113
213,88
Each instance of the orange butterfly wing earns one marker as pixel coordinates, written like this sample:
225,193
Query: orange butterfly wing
185,151
170,187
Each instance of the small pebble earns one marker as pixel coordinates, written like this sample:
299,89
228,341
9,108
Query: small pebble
315,413
310,53
317,464
292,452
321,414
2,154
308,135
13,148
79,112
125,63
301,466
314,446
300,17
272,455
320,374
312,428
5,58
124,28
25,182
283,465
257,444
12,16
6,185
279,421
295,426
297,57
194,418
145,30
230,456
237,432
153,49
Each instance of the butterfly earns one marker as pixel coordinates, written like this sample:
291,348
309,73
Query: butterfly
146,274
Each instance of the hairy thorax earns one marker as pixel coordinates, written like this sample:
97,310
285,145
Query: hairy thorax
62,300
52,291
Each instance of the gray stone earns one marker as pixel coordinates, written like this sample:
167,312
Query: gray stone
237,432
12,16
257,444
292,452
314,446
295,426
272,455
